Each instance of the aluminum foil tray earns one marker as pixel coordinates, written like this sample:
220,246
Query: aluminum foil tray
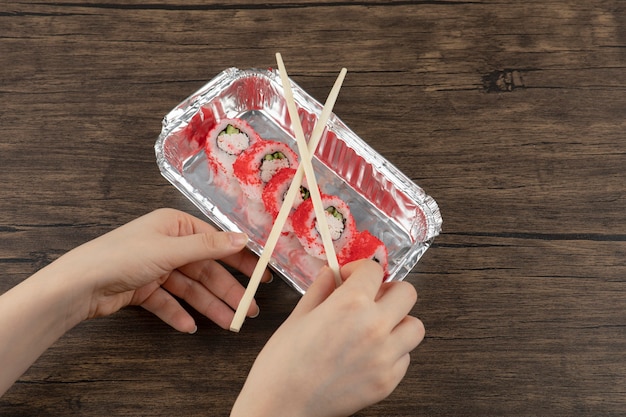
381,198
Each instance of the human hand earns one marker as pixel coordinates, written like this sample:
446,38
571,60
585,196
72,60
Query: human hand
160,255
339,351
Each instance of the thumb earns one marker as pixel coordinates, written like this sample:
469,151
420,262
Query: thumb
319,291
183,250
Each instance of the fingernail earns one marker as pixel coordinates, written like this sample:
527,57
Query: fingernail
238,239
255,315
271,278
195,329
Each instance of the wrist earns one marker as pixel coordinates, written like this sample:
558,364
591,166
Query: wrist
64,292
33,315
267,405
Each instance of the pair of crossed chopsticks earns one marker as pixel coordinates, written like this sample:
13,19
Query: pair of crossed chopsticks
305,168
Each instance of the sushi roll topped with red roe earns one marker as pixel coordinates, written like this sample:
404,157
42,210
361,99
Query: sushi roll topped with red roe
366,246
255,166
276,189
226,141
341,225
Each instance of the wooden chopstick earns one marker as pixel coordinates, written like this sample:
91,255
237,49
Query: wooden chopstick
279,223
305,161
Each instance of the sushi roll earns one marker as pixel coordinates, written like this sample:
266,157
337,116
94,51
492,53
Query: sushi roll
255,166
340,223
226,141
276,189
366,246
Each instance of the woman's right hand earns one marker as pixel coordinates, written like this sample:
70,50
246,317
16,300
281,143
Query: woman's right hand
339,351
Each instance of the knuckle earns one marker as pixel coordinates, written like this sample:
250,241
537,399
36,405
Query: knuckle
409,290
357,303
188,289
209,241
417,332
384,385
373,331
419,326
391,376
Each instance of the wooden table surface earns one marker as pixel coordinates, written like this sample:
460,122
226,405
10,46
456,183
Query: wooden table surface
511,114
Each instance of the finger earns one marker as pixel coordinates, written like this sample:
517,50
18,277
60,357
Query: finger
189,225
245,261
322,287
215,302
406,336
165,307
183,250
388,378
186,225
363,275
398,371
396,301
219,281
179,223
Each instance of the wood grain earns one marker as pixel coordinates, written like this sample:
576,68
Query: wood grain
510,114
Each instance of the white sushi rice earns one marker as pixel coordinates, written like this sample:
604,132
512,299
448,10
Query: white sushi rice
341,226
271,167
335,226
223,148
233,143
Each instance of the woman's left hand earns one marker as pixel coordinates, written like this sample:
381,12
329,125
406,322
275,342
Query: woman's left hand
160,256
